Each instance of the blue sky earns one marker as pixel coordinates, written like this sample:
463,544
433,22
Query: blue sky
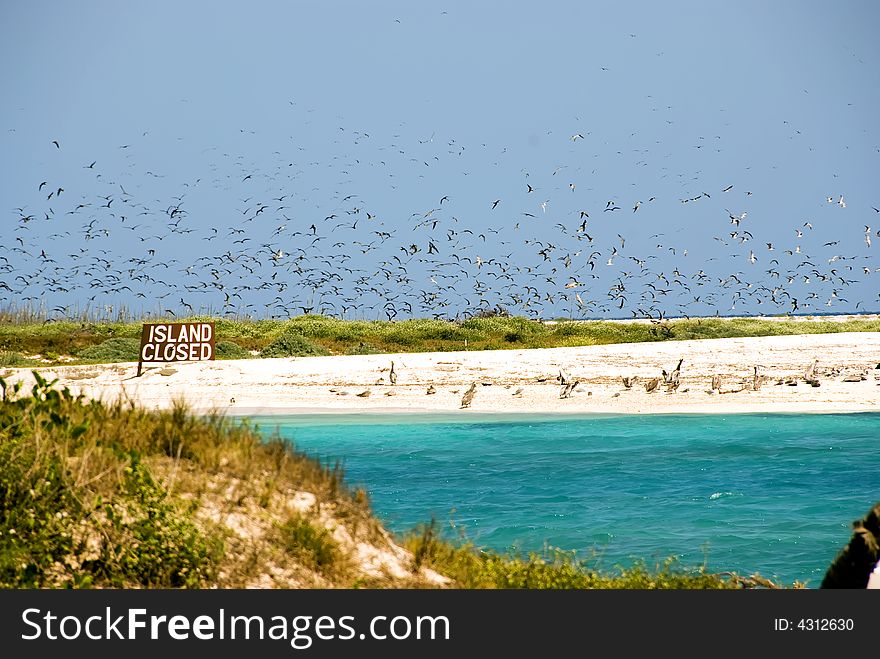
348,108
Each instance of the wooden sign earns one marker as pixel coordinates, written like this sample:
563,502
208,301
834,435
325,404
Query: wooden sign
176,342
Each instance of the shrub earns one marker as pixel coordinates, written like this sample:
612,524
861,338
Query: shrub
293,344
148,540
311,545
15,359
112,350
364,349
56,530
230,350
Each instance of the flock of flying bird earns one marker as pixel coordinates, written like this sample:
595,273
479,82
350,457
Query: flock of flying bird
113,238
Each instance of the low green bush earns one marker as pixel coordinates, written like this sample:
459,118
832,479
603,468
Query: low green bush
313,546
293,344
15,360
112,350
230,350
364,349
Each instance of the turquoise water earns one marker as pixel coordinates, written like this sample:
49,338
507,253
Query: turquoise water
774,494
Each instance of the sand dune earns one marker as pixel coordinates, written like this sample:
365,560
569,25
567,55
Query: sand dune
516,380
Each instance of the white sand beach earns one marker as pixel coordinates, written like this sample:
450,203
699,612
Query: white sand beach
512,381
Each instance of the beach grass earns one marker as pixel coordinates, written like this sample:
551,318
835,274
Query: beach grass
106,495
554,568
25,342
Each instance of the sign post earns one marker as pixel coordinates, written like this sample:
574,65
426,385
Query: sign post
175,342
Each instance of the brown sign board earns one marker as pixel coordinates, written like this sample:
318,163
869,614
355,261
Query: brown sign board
176,342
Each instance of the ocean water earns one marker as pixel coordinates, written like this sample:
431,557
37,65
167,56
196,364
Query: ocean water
773,494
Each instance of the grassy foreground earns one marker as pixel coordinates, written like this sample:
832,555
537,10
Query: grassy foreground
111,495
29,343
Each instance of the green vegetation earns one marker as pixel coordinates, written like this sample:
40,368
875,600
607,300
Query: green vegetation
114,496
319,335
230,350
16,360
111,495
311,544
291,343
363,349
553,568
112,350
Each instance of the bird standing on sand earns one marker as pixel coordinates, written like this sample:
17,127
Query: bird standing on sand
568,389
468,396
652,385
811,371
392,375
677,371
563,377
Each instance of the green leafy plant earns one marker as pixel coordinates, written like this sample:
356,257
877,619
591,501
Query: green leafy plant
293,344
112,350
230,350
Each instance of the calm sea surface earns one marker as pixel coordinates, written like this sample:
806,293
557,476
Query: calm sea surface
773,494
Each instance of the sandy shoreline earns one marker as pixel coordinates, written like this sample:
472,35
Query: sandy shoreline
310,385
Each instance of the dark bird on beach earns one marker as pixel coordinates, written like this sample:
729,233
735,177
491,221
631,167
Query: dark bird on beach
563,377
652,385
676,372
392,375
568,389
468,396
810,373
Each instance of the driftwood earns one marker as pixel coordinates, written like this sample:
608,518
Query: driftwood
853,565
